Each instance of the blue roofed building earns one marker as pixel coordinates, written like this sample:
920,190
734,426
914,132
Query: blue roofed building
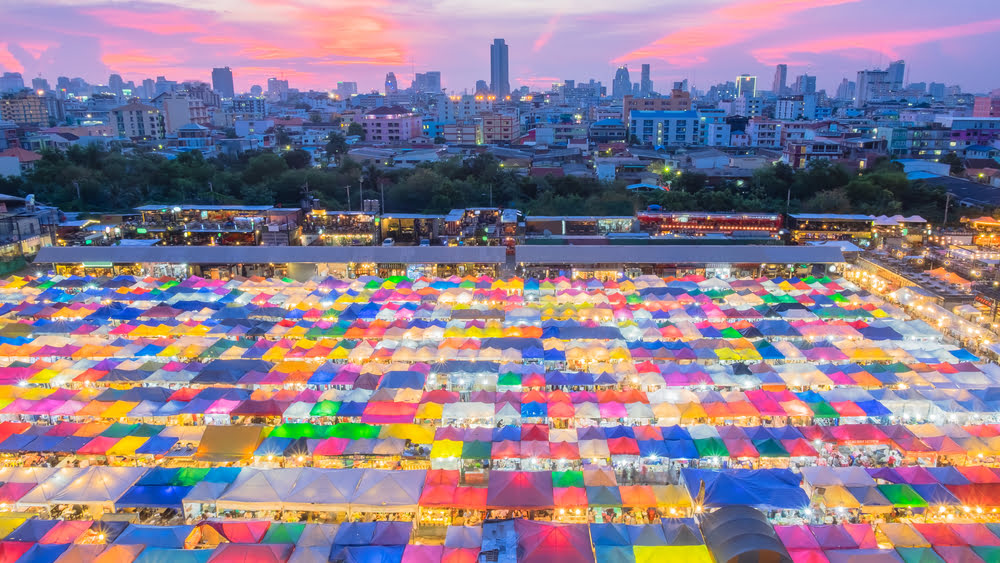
665,128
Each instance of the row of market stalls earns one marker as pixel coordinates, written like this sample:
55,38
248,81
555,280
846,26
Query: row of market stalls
539,445
704,541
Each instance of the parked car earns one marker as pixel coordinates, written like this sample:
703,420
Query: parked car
388,242
425,242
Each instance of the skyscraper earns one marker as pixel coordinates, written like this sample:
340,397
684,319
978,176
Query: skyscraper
873,85
622,85
499,69
897,73
482,87
746,86
115,83
805,84
428,82
780,79
645,83
222,82
845,91
390,83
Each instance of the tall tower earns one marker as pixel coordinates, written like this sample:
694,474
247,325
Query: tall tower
645,83
622,86
222,82
499,69
390,83
780,80
897,72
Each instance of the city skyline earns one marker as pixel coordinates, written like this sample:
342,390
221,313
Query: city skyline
314,47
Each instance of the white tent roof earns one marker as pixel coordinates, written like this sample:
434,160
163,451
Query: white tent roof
99,484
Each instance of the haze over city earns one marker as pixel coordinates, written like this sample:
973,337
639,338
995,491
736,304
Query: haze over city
315,44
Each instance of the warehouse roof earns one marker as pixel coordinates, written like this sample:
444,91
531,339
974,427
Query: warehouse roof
678,254
272,254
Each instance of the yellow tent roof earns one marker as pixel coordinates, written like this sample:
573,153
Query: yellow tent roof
127,445
659,553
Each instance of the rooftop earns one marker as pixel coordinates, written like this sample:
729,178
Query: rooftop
678,254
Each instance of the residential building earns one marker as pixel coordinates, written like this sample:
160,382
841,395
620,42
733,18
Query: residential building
499,69
967,131
17,161
763,132
25,227
872,86
498,128
780,80
607,131
458,108
24,108
347,89
139,121
195,137
40,84
798,154
746,85
466,132
937,90
665,128
796,107
678,101
248,107
222,82
987,106
277,89
391,124
180,109
714,130
747,106
925,141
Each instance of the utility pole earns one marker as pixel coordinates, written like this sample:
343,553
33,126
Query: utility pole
381,189
361,195
348,190
947,202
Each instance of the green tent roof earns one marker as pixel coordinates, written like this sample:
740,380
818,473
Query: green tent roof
325,408
902,495
567,479
476,450
711,447
823,409
284,532
769,447
918,555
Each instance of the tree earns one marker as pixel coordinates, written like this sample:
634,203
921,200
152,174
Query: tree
263,167
297,159
356,130
439,140
955,162
336,144
281,137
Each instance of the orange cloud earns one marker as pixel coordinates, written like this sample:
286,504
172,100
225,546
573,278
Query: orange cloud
727,25
885,42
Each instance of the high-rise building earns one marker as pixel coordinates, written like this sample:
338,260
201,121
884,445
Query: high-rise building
780,80
390,83
24,108
987,106
746,86
277,88
896,75
148,89
936,89
645,83
116,84
11,82
347,89
222,82
256,90
846,90
40,84
428,82
873,85
482,87
499,69
622,85
805,84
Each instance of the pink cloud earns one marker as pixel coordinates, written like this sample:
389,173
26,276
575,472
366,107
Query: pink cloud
7,61
543,39
167,22
886,42
727,25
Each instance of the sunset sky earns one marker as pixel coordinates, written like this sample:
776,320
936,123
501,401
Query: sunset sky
315,43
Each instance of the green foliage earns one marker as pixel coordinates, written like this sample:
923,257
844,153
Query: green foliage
953,160
113,181
357,130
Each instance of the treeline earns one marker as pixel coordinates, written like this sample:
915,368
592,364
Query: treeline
89,179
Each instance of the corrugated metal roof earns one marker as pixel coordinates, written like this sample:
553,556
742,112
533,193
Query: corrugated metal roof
273,254
678,254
